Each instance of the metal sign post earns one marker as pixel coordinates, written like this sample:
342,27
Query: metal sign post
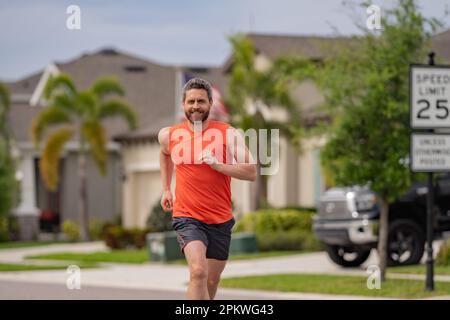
430,152
429,282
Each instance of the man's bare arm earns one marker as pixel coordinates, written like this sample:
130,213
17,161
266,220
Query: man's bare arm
244,167
241,171
166,166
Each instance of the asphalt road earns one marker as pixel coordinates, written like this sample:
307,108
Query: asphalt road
15,290
11,290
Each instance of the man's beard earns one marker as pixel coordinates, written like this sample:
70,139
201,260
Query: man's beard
204,117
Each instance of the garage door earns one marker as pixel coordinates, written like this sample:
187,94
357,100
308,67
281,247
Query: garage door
146,192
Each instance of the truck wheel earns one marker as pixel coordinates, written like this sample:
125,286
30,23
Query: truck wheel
347,256
406,243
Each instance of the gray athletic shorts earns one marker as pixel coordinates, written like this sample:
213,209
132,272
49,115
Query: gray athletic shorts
216,237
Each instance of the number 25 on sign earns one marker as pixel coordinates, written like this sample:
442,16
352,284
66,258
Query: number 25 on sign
430,96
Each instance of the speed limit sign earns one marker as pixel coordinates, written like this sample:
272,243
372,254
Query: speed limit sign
430,96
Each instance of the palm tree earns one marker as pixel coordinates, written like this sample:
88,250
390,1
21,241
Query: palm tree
264,88
71,112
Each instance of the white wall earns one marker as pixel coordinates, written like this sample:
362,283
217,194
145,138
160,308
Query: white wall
142,187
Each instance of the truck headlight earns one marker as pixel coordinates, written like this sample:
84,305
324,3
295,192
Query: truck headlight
365,202
351,204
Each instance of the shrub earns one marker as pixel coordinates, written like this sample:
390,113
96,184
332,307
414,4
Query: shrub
299,208
112,235
287,240
280,229
275,220
95,228
72,230
137,237
118,219
443,256
117,237
158,220
4,229
9,228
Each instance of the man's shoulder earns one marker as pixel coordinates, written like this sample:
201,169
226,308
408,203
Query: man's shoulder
163,135
220,124
165,132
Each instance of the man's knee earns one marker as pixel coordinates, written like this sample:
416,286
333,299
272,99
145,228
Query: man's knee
199,273
213,280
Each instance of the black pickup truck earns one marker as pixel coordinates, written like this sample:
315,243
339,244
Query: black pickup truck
347,222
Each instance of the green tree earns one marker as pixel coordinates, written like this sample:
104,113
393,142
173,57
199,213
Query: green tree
71,112
366,93
8,183
262,88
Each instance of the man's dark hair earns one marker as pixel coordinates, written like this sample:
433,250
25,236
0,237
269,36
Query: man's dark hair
198,83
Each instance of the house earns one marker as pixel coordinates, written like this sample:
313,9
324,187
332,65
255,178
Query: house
142,81
133,184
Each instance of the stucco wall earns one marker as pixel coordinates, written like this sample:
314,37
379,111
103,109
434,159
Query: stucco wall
104,193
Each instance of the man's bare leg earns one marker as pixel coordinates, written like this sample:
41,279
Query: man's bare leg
215,268
195,252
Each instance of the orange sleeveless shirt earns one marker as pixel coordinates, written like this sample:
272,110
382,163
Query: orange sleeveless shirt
200,191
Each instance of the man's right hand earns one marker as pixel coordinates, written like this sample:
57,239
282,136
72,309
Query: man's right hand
166,201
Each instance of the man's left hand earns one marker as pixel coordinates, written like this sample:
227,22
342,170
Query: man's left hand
209,159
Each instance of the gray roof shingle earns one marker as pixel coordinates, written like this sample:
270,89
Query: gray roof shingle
149,88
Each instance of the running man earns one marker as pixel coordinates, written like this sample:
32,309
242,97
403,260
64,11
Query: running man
205,156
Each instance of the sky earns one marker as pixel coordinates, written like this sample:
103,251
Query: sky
34,33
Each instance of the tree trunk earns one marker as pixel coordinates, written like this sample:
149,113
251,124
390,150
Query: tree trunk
84,216
257,190
260,195
383,238
263,193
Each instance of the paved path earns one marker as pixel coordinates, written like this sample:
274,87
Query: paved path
17,255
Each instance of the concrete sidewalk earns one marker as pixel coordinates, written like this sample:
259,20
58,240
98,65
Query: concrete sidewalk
17,255
159,276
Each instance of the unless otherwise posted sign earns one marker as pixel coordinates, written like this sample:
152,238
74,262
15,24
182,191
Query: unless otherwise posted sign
430,152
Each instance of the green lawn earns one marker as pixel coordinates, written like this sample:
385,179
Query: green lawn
26,244
119,256
22,267
329,284
250,256
266,254
141,256
420,269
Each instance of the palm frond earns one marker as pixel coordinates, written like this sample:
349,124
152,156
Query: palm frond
106,86
60,83
51,115
49,163
95,134
118,108
86,101
64,102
